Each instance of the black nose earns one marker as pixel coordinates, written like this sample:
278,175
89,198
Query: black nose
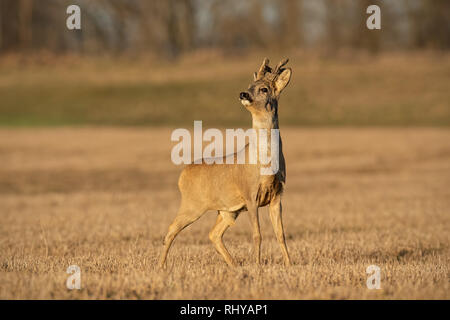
244,96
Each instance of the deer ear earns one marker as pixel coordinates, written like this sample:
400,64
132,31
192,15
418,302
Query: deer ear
282,80
255,76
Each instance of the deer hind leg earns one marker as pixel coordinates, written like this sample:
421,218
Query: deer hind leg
277,223
224,220
184,218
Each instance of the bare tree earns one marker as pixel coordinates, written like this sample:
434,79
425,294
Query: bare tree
291,12
429,23
333,26
1,25
25,14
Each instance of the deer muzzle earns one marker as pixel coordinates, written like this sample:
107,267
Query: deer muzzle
245,96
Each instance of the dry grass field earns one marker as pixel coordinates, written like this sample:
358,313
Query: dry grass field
102,198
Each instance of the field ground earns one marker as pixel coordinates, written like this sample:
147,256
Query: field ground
102,198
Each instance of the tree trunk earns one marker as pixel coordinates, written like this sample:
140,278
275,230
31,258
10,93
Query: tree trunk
1,26
25,20
291,16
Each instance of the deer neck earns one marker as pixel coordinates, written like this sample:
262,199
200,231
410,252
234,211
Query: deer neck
265,121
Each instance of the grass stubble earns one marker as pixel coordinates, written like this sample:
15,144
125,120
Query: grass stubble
102,199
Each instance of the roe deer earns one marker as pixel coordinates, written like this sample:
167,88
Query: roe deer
233,188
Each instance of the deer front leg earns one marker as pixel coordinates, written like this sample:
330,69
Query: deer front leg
277,223
254,219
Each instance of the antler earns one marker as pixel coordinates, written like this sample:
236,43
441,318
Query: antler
263,69
280,65
266,72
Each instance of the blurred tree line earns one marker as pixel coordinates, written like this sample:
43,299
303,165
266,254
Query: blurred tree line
173,27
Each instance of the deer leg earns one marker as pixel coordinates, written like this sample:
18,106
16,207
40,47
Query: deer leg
254,219
224,220
184,218
277,223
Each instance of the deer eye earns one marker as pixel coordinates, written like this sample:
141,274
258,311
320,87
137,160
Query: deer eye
264,90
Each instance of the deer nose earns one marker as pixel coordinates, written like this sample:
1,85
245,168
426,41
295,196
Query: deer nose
244,96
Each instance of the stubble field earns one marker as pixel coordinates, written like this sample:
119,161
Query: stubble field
102,199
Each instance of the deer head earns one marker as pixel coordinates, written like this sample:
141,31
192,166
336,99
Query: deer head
262,95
